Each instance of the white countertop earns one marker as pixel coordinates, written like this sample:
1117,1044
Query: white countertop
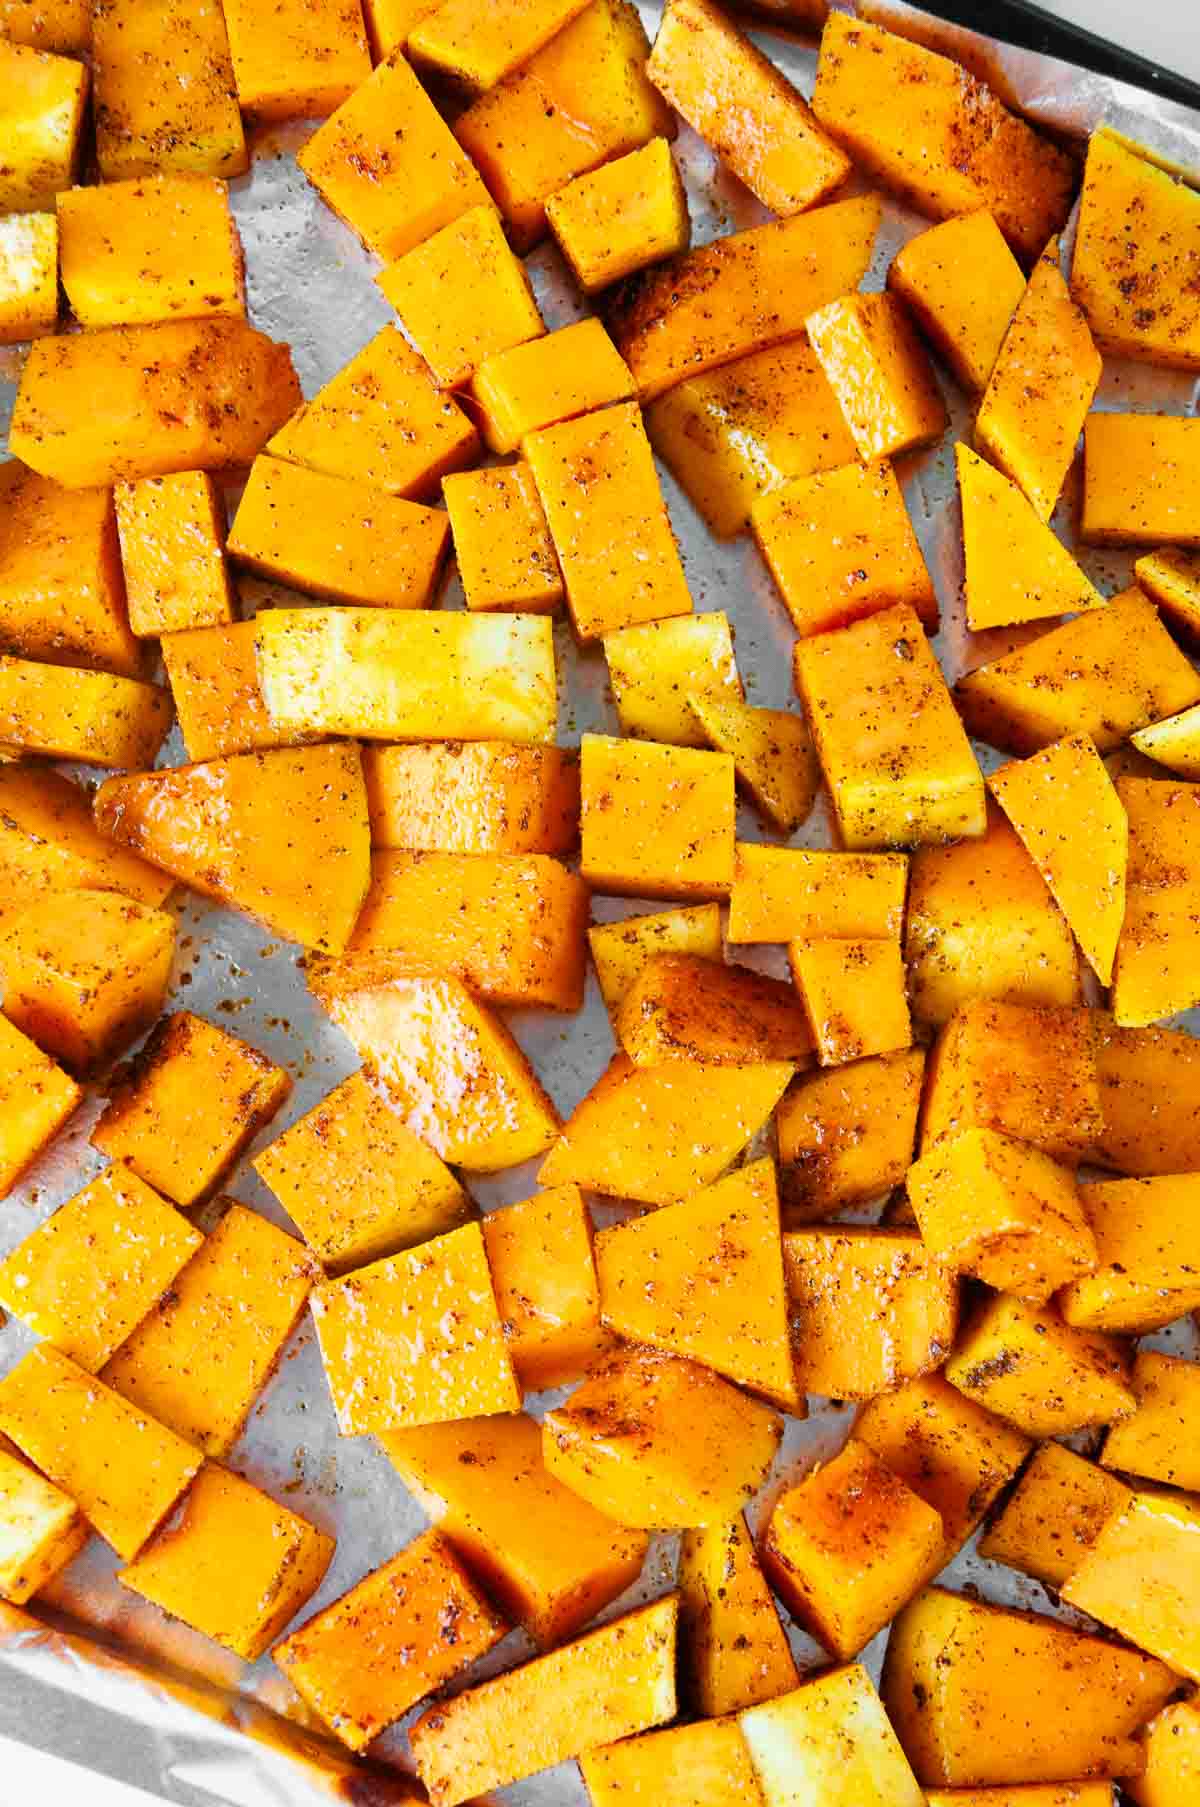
1162,30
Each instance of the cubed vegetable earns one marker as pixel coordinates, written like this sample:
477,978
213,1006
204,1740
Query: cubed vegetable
735,1650
172,532
502,544
36,1098
49,842
800,893
704,1765
1159,1440
854,997
687,1007
1174,744
1017,567
1140,1578
657,821
544,1277
1140,482
617,219
476,50
1155,975
622,950
296,59
28,276
63,25
829,1741
1148,1242
41,1530
774,759
473,797
1171,579
165,96
1149,1100
962,284
213,674
41,126
1053,1516
90,716
1025,1364
1171,1744
656,667
1029,1073
880,373
846,1136
151,248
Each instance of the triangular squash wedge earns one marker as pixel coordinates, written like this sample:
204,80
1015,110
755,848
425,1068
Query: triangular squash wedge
1017,567
1071,821
283,835
705,1279
772,751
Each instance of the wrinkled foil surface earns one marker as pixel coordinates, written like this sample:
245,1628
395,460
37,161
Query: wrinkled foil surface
103,1677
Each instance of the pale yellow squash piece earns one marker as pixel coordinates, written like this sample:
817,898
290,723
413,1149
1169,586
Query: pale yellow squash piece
655,668
1173,743
1017,568
772,752
829,1741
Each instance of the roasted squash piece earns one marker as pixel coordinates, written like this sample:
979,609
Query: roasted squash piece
1139,1577
41,126
165,96
829,1740
60,25
735,1651
880,373
475,51
1149,1100
1028,1072
218,828
1027,1365
544,1277
741,293
621,950
1031,428
1174,743
656,667
42,1529
172,532
1171,1743
1154,974
296,59
947,1653
772,751
962,284
1053,1516
1159,1440
153,248
142,401
28,276
36,1098
473,797
90,716
213,674
548,1558
1171,579
704,1279
688,1007
397,1635
798,893
554,377
854,997
1148,1242
936,135
846,1136
702,1765
502,544
1017,568
451,1068
1140,483
619,218
658,1134
657,821
617,1441
49,842
608,1685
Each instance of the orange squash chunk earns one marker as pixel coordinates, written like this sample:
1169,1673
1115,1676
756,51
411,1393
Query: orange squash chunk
1139,1577
172,533
1054,1515
502,544
846,1135
36,1098
486,796
1154,975
89,716
1148,1245
42,1529
962,284
296,59
49,842
735,1651
621,217
549,379
1027,1365
701,1765
213,674
1017,567
1149,1100
454,40
1028,1072
854,997
687,1007
880,373
621,950
544,1277
800,893
658,821
1159,1439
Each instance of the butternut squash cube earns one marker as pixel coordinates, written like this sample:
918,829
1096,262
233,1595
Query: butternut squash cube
451,1069
396,1636
846,1136
582,99
902,1302
85,973
947,1653
829,1741
36,1098
476,51
61,589
88,1276
549,1559
381,420
1025,1364
735,1651
880,374
90,716
741,293
463,295
962,285
1171,1745
202,1355
991,1206
1067,783
1174,743
172,532
213,674
938,136
657,821
415,1338
1026,1072
61,25
40,127
502,544
1139,228
1148,1239
1159,1440
123,1470
618,1442
772,751
1149,1100
1054,1515
840,546
1040,389
41,1530
142,401
357,1182
1154,973
748,428
401,674
949,1451
854,997
165,95
231,1563
387,162
296,59
802,893
609,1685
194,1098
49,842
609,523
687,1007
848,1546
704,1765
658,1134
1021,952
473,797
620,218
28,276
744,107
1140,482
896,759
544,1277
704,1279
656,667
282,835
1171,579
1105,674
1139,1577
1017,568
336,538
151,248
622,950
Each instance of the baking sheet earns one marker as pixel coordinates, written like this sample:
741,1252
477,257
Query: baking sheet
309,282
